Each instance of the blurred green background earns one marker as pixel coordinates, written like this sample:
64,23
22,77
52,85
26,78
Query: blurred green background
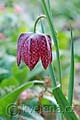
19,16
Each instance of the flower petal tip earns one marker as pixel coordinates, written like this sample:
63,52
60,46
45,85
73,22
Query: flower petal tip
32,47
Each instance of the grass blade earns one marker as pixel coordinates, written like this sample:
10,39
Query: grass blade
71,81
54,36
11,98
64,105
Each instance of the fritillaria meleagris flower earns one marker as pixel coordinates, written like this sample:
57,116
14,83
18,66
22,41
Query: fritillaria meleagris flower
33,47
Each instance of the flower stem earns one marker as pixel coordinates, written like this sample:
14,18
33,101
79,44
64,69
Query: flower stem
51,72
41,16
54,36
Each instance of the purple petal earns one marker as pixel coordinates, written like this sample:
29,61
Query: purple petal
34,50
25,52
44,48
50,50
20,44
30,52
32,47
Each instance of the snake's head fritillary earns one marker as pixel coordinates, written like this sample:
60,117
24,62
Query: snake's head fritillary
33,47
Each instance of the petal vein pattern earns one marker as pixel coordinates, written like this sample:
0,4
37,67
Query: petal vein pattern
32,47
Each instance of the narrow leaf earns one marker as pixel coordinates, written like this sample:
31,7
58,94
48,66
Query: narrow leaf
71,81
54,36
64,105
12,96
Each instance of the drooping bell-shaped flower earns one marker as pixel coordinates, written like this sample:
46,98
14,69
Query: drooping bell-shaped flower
33,47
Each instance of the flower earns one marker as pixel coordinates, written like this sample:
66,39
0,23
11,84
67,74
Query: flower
33,47
2,36
18,9
2,8
28,94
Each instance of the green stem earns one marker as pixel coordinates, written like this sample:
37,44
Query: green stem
49,6
41,16
51,72
71,81
53,36
59,116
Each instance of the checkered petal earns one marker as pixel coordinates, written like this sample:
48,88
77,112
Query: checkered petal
45,50
50,50
32,47
31,51
22,38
